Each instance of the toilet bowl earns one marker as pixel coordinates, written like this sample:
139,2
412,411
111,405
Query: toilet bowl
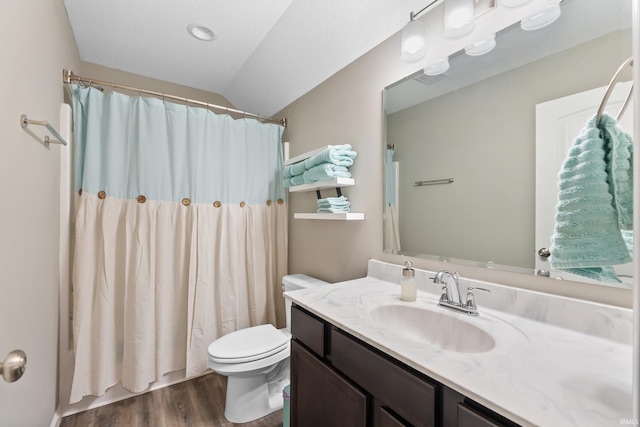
256,362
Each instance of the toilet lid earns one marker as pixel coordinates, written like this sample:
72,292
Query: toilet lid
248,344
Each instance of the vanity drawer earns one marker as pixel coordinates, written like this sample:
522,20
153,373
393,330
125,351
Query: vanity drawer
470,417
308,329
408,395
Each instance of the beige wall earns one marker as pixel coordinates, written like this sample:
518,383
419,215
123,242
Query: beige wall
36,44
347,109
483,135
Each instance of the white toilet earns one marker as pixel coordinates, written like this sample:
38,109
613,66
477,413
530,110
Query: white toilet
256,362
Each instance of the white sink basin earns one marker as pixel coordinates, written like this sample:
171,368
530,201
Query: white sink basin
434,327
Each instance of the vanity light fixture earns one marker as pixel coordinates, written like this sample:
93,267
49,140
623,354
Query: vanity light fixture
546,16
201,32
437,67
481,46
414,40
459,18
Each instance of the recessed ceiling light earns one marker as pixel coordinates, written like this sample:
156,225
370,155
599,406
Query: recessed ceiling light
201,32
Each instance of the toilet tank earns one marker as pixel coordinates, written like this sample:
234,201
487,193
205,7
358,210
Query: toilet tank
294,282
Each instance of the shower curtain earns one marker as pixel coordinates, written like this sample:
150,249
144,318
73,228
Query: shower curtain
180,235
391,224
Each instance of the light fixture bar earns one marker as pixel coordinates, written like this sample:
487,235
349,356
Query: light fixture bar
413,16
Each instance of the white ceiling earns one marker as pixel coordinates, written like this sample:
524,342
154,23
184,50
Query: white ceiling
266,54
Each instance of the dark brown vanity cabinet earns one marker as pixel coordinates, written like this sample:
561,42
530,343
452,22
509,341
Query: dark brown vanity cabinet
338,380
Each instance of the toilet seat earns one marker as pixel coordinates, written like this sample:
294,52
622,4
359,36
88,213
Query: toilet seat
247,345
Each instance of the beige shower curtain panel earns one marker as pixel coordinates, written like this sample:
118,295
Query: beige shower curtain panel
166,285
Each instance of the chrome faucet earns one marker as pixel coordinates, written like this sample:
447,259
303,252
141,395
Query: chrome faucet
451,288
450,297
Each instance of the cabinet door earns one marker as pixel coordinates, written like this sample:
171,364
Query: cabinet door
320,397
407,394
384,418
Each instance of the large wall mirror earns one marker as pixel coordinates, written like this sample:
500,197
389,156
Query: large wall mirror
473,154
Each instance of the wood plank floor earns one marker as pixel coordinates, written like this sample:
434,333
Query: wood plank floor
195,403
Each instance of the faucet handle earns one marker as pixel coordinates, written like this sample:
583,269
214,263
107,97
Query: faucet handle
471,300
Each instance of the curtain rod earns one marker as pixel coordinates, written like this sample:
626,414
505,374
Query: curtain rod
68,77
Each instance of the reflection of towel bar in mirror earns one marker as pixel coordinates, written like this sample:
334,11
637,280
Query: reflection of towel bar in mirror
24,122
614,80
433,182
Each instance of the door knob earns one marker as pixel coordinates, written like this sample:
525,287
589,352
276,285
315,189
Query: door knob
544,252
13,366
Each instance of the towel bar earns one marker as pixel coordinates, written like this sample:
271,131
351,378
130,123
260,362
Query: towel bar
614,80
433,182
24,122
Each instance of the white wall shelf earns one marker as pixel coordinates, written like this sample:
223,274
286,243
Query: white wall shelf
351,216
323,185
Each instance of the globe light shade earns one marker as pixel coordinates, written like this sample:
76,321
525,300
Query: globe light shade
459,18
413,46
547,15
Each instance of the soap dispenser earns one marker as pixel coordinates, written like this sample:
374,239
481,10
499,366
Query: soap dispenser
408,289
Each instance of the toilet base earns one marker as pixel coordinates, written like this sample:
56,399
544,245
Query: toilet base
255,396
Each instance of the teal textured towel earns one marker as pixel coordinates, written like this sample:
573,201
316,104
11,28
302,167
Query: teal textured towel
325,171
333,210
333,202
339,155
321,172
293,181
619,147
294,169
334,205
594,203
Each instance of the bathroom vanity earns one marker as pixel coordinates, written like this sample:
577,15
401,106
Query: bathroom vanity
362,357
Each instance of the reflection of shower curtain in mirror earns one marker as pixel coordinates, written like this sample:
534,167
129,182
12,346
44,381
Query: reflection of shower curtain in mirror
391,225
181,236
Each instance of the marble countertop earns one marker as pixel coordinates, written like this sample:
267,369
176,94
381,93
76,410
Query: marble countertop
538,373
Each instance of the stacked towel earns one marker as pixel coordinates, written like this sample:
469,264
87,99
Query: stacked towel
325,171
330,163
334,205
594,210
